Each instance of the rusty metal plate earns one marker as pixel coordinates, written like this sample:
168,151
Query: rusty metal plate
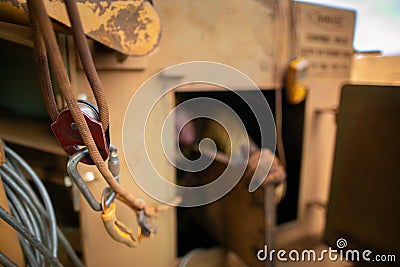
131,27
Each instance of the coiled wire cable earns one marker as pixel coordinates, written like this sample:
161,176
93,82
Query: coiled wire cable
5,261
33,218
43,194
25,233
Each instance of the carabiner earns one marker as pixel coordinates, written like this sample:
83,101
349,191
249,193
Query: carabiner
72,170
117,230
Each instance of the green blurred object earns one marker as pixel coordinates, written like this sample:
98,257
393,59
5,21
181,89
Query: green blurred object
20,93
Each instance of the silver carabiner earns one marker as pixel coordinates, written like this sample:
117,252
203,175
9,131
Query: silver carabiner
72,170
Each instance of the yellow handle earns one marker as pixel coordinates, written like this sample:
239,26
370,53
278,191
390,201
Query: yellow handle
117,230
296,90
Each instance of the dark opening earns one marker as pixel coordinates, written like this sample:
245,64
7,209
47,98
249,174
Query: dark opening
190,234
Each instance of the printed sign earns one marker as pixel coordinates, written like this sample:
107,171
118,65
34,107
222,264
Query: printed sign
324,36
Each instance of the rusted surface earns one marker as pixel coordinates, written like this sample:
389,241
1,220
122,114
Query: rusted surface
138,22
131,27
14,3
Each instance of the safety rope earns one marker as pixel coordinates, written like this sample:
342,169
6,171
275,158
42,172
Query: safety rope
87,61
37,8
43,63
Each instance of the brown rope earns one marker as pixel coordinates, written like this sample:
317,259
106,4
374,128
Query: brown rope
87,61
44,72
60,74
153,210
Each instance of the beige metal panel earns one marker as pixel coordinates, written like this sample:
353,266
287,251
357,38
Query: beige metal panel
319,133
241,34
320,136
376,69
238,33
99,248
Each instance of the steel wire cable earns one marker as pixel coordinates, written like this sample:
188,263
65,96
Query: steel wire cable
6,262
42,192
32,215
22,230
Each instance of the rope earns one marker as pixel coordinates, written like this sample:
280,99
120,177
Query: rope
87,61
37,7
44,72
